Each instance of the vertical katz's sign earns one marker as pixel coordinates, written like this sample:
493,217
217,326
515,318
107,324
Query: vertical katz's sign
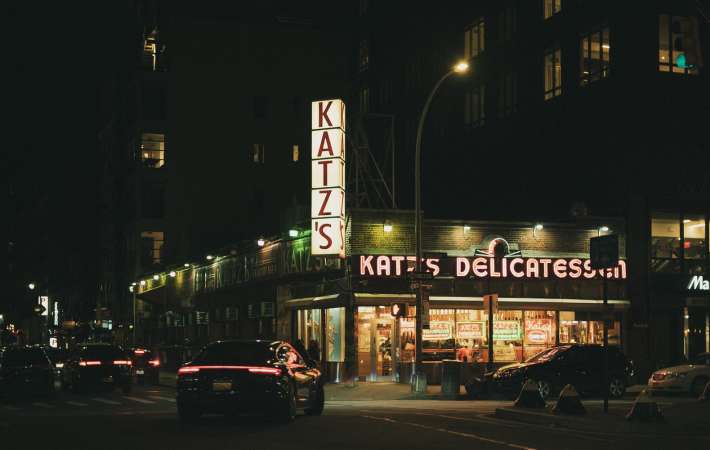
328,177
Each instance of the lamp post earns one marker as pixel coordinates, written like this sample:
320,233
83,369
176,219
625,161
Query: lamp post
460,68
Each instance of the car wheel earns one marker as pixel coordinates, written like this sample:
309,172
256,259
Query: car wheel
698,386
317,403
617,387
545,388
188,414
287,412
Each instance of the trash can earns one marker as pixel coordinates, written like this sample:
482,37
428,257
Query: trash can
450,378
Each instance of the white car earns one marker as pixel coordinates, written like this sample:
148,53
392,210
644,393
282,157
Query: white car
690,378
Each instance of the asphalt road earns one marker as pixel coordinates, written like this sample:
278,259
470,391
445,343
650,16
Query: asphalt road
146,419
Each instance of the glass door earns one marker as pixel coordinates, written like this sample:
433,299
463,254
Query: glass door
377,344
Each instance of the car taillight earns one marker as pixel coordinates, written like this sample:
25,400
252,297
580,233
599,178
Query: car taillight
189,369
139,352
154,363
89,363
122,362
265,370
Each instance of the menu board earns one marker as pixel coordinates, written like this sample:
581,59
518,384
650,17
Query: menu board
470,330
506,330
437,331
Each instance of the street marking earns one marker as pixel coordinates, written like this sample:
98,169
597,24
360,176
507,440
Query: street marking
43,405
167,399
455,433
76,403
140,400
103,400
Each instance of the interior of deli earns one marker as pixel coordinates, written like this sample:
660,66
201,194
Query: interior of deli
548,295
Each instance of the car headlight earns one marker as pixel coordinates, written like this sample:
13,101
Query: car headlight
59,365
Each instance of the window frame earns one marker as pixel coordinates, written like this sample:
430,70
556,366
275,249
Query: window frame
475,33
550,8
586,74
555,91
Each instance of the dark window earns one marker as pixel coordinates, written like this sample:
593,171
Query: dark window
261,106
102,352
152,201
507,95
507,24
474,39
236,353
364,54
154,103
595,52
475,107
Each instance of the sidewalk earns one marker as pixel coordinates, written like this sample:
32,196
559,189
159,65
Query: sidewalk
383,391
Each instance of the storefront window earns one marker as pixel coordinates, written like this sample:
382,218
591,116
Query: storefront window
407,337
471,332
508,336
574,331
539,332
665,242
309,331
375,326
694,246
335,334
438,341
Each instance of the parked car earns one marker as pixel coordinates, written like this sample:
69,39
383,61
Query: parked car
271,377
57,356
98,365
576,364
25,370
146,366
689,378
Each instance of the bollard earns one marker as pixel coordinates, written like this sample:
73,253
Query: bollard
569,402
644,408
530,396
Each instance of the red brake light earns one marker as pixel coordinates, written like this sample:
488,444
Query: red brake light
139,351
154,362
122,362
89,363
265,370
188,369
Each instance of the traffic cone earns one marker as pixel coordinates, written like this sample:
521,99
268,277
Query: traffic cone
705,396
645,408
568,402
530,396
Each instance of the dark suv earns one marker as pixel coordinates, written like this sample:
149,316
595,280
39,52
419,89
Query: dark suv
98,365
575,364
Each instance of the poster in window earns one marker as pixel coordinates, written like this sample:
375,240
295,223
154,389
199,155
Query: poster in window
538,331
504,352
469,330
335,334
506,330
437,331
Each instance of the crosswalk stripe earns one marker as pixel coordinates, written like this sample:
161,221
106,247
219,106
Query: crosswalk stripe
77,404
43,405
139,400
103,400
167,399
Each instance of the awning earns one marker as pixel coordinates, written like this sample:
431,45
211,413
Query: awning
506,303
321,301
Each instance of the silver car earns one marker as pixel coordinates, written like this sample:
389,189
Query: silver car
688,378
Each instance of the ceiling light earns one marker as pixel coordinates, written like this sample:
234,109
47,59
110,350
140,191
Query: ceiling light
538,227
172,274
156,277
142,282
686,220
209,257
186,265
293,233
604,228
466,228
387,227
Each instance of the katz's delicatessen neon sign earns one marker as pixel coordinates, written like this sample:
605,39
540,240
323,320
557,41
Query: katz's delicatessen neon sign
486,267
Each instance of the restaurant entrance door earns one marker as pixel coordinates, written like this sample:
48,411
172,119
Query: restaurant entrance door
377,343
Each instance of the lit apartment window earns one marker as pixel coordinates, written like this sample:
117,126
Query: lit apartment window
507,24
258,153
594,55
475,107
150,51
153,150
553,73
507,95
364,54
474,39
294,153
677,44
551,7
152,247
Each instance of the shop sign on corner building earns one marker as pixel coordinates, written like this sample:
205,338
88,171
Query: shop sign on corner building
328,178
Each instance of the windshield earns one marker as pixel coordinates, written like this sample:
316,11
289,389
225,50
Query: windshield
546,355
230,353
23,357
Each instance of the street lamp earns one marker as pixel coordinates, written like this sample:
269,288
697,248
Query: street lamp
31,286
460,68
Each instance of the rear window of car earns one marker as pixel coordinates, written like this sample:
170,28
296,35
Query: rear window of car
246,353
15,357
102,351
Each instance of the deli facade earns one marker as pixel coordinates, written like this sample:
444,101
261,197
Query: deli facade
340,308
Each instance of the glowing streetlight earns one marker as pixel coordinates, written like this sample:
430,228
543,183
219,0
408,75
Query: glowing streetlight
31,286
172,274
461,67
260,242
209,257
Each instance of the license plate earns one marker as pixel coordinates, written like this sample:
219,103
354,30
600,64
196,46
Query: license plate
220,386
107,379
140,371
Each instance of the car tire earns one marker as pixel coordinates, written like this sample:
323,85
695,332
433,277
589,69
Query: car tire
617,387
316,409
545,388
287,412
188,414
698,386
